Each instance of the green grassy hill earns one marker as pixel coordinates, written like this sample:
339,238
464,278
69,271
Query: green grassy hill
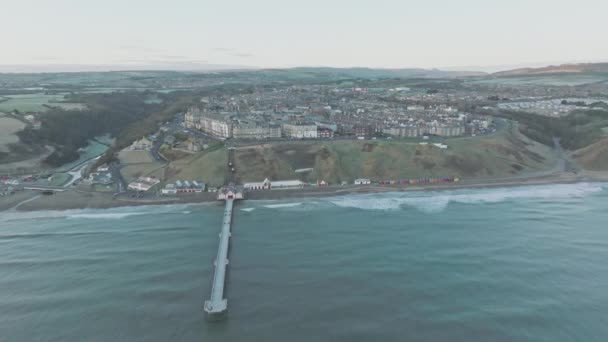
505,154
208,167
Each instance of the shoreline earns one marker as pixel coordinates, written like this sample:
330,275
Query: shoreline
95,200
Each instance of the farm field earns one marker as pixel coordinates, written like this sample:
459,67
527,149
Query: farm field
35,103
8,127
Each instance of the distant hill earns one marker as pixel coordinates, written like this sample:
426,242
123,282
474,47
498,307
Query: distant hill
564,69
385,73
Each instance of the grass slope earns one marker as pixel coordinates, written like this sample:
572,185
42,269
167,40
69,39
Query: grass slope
209,167
505,154
593,157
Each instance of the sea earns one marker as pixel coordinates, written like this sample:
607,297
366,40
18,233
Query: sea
523,263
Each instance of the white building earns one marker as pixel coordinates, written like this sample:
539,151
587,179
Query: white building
192,119
287,184
362,181
143,184
274,185
103,168
300,130
184,187
169,190
263,185
141,144
226,194
216,126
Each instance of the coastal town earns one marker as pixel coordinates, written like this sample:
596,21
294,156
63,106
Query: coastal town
316,112
230,135
315,171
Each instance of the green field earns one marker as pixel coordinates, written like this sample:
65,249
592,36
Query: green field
35,103
208,167
8,127
59,179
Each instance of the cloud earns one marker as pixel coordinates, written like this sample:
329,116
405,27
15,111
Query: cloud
165,61
241,54
233,52
47,58
171,57
140,49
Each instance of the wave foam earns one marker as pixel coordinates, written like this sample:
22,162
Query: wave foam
113,213
112,216
433,202
282,205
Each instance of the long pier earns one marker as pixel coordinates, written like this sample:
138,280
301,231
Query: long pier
217,303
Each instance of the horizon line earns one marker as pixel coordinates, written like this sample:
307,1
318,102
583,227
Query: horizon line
49,68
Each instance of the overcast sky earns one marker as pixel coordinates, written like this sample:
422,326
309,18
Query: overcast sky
283,33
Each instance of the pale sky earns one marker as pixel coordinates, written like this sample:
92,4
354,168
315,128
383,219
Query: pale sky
283,33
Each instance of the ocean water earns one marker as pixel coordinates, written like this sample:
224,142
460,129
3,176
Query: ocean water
512,264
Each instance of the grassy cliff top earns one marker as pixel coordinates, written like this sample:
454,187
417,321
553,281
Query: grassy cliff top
505,154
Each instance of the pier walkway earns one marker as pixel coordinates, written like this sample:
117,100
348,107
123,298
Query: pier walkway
217,303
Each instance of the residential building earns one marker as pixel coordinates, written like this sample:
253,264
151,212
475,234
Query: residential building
192,119
407,131
194,146
362,130
216,125
250,130
325,133
274,131
300,130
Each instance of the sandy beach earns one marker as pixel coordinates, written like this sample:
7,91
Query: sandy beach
73,199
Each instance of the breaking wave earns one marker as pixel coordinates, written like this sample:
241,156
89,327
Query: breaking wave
248,209
437,201
98,214
111,216
283,205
